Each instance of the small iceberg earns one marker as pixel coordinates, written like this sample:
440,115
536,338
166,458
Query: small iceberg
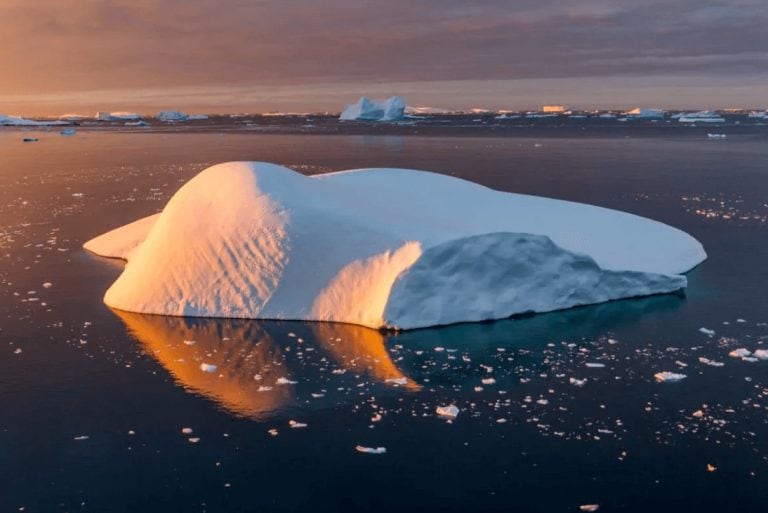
704,116
172,116
117,116
641,113
391,109
20,121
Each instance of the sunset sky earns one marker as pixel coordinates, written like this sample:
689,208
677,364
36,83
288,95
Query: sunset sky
313,55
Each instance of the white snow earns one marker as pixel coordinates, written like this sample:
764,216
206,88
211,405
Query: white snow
669,377
391,109
382,248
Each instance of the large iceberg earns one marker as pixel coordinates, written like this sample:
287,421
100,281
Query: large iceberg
384,248
391,109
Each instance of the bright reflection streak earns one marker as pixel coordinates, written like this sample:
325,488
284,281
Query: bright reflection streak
250,357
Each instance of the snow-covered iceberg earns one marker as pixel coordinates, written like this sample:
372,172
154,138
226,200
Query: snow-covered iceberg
637,112
389,248
172,116
391,109
20,121
117,116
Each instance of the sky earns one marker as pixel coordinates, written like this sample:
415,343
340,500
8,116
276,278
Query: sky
59,56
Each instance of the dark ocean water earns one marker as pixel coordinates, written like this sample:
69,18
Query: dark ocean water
94,402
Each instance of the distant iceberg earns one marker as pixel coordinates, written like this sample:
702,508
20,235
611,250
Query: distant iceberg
19,121
172,115
704,116
391,109
117,116
391,248
646,113
419,111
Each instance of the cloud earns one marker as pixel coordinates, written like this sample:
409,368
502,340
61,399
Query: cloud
85,45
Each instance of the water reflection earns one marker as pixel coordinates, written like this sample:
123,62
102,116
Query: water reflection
254,368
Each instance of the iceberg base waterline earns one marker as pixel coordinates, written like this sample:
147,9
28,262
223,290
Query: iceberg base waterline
383,248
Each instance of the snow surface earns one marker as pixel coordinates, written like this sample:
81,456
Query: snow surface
391,109
382,248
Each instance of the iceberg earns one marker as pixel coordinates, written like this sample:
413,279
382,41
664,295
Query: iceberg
117,116
20,121
646,113
383,248
391,109
172,116
704,116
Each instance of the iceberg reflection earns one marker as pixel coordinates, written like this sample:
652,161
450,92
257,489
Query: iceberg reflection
254,368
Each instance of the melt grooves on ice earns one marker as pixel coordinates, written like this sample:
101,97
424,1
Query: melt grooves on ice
384,248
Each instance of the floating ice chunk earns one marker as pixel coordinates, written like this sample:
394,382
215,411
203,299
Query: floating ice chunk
264,388
193,440
68,132
707,331
187,431
669,377
740,353
370,450
594,365
82,437
208,367
284,381
698,414
273,432
397,381
761,354
589,507
296,425
47,285
577,382
17,350
488,381
450,411
749,359
711,363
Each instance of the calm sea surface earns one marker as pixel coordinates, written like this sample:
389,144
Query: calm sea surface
110,411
